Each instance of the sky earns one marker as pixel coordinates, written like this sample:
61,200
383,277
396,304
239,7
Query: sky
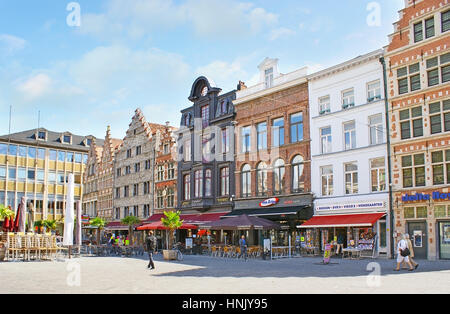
87,64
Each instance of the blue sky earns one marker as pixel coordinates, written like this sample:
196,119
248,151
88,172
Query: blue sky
129,54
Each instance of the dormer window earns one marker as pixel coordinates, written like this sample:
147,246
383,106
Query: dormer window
269,77
67,139
42,135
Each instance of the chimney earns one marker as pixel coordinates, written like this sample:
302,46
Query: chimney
241,86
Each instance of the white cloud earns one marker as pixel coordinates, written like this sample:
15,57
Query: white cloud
10,44
35,86
209,18
281,32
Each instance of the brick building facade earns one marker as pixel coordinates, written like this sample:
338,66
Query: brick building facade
273,148
418,71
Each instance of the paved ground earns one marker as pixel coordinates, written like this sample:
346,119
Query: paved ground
200,275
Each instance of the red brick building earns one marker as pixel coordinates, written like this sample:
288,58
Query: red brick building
273,149
418,72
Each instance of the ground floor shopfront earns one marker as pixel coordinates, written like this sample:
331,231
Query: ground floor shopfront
425,216
359,223
289,211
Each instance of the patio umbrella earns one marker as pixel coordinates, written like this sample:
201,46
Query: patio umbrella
243,222
7,224
69,215
158,225
30,217
78,229
21,216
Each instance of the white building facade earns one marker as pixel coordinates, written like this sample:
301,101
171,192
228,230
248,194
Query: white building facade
349,160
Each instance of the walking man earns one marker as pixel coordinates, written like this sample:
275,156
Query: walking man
243,246
402,247
150,242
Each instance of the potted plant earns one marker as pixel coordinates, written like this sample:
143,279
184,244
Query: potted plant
39,225
50,225
130,221
100,224
172,222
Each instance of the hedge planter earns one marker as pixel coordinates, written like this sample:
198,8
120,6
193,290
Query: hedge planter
169,255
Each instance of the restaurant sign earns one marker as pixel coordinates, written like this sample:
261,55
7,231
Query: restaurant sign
352,206
426,197
269,202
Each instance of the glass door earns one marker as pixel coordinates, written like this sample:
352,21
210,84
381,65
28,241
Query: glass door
444,240
382,237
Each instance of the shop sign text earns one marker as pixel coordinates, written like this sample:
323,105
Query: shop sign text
426,197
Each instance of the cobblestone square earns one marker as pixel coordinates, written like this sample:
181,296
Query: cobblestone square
206,275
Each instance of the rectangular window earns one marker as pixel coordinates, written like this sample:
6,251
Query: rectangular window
373,91
41,135
3,149
137,167
171,171
324,105
40,175
325,140
441,167
21,174
429,27
261,130
61,156
437,69
22,151
52,155
2,175
376,129
403,86
41,153
12,150
246,139
12,174
135,189
327,180
129,153
297,127
411,122
205,116
160,173
349,135
278,132
67,139
126,191
418,32
268,77
348,99
187,150
198,184
351,178
413,168
138,150
378,174
225,141
445,21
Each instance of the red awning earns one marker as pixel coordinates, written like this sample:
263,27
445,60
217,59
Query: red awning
157,225
355,220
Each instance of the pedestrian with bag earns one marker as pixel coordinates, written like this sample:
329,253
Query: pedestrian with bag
411,251
403,252
150,243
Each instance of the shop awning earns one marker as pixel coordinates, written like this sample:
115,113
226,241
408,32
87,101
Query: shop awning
280,211
115,225
355,220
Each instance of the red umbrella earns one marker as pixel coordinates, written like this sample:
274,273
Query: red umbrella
158,225
7,225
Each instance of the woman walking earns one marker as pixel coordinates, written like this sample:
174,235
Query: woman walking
411,251
403,252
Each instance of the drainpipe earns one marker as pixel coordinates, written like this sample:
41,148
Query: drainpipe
388,143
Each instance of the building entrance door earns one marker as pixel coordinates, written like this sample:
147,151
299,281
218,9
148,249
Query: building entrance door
444,240
418,234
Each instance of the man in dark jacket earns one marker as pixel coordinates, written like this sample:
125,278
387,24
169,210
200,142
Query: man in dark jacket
150,243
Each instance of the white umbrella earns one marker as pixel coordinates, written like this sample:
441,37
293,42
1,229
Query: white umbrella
69,216
78,229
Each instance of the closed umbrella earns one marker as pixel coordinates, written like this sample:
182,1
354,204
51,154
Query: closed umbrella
7,224
69,214
21,214
78,229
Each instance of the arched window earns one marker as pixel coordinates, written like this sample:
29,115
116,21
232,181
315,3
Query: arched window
187,187
198,187
246,181
261,179
298,181
208,182
224,181
278,176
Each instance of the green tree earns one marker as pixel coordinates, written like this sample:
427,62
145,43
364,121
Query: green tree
5,212
130,221
100,225
172,222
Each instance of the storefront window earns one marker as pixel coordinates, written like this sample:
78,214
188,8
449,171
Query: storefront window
421,212
440,211
409,212
444,240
